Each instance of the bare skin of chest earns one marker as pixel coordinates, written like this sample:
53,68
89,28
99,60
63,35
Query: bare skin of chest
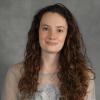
48,78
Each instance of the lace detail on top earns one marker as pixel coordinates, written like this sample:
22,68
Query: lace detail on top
47,92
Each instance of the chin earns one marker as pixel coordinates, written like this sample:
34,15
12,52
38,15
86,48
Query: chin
53,51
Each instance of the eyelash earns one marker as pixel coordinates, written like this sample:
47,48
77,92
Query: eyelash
59,30
45,28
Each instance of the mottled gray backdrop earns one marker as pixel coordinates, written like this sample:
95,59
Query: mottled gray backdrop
15,21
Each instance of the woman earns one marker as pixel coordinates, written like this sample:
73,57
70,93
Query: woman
56,66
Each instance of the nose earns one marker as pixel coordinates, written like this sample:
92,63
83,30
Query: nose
52,35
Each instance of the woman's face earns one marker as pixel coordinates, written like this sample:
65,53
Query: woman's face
52,32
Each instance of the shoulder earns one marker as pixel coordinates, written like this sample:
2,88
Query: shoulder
91,74
16,67
91,87
91,83
15,71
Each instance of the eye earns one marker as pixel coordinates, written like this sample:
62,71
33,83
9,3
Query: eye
45,28
60,30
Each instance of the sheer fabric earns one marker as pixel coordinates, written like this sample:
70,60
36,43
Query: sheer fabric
47,92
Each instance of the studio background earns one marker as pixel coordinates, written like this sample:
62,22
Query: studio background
15,21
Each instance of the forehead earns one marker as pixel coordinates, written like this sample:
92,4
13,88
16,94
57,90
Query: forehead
53,19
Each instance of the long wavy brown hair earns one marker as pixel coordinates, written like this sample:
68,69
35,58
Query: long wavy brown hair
74,73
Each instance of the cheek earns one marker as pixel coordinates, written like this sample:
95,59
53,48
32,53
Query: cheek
62,39
61,42
42,37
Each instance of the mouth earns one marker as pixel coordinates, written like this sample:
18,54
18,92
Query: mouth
51,43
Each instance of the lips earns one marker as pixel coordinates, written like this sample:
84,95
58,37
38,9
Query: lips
51,43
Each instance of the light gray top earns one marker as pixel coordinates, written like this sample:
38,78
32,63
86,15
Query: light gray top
45,92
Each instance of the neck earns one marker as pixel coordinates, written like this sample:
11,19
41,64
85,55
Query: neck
49,61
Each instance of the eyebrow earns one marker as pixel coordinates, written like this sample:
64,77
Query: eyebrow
49,26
